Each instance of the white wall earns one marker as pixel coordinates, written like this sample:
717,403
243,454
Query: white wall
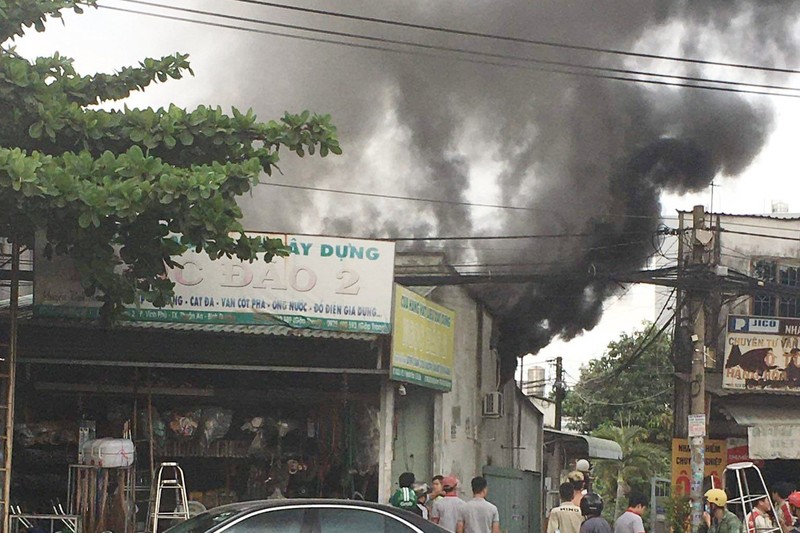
464,441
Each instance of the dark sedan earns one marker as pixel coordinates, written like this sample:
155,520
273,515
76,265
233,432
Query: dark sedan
306,516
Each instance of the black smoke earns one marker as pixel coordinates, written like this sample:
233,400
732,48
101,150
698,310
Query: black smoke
584,155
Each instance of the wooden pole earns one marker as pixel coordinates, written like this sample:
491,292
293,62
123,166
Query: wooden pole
12,382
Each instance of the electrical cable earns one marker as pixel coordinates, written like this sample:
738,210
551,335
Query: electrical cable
472,60
437,201
384,40
537,42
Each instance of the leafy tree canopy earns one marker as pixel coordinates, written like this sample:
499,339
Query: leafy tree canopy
630,385
111,189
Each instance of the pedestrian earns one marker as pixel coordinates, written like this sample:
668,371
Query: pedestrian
794,505
780,492
479,516
446,511
567,517
421,490
718,519
758,520
592,510
578,485
404,497
436,491
631,520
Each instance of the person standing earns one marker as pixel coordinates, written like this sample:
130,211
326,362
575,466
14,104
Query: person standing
794,505
567,517
447,511
578,486
631,520
404,497
421,490
436,492
780,492
719,519
479,516
592,510
758,520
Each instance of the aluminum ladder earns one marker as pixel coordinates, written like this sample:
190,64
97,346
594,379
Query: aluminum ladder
747,496
169,478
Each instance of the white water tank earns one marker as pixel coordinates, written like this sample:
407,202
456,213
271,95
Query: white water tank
535,382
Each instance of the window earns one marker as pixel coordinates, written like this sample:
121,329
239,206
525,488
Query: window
278,521
356,520
783,273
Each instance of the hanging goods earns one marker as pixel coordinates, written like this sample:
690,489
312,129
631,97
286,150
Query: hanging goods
752,488
170,479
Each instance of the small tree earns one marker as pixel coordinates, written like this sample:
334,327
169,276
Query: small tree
640,461
124,192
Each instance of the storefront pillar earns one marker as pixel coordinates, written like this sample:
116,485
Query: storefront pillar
386,455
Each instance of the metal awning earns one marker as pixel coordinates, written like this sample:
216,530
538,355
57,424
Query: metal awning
772,432
585,445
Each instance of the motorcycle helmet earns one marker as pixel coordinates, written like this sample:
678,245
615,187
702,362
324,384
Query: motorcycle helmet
717,497
794,499
591,504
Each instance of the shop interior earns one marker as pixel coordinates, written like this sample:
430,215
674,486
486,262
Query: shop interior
238,435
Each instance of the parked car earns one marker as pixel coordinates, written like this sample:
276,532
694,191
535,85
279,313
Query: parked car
306,516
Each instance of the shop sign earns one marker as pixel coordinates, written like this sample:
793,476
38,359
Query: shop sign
715,459
325,283
423,341
774,441
762,353
697,425
739,452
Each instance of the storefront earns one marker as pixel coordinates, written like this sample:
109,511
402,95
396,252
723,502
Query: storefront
261,380
246,414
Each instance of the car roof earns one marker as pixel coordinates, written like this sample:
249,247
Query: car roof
269,504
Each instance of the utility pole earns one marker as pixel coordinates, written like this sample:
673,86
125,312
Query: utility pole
697,386
560,391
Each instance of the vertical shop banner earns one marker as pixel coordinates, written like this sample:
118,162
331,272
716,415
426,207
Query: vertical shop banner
423,341
715,457
762,353
325,283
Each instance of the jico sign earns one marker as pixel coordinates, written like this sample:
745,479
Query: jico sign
325,283
762,353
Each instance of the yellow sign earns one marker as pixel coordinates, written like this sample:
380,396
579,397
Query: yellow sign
423,341
716,459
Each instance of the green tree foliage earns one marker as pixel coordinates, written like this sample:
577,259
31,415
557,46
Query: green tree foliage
641,460
631,385
113,189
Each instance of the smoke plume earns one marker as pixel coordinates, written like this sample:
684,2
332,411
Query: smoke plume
584,155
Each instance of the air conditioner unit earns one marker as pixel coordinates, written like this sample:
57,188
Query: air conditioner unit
493,405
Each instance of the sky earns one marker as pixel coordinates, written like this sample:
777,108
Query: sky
435,128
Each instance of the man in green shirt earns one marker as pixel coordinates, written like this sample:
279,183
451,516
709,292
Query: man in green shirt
718,519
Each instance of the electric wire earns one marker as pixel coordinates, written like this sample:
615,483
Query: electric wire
433,47
537,42
384,40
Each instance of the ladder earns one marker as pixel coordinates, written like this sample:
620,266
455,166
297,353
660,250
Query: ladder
169,478
748,496
9,265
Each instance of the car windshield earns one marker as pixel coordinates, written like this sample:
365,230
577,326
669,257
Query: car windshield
204,522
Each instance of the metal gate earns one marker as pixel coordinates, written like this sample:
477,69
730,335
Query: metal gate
518,497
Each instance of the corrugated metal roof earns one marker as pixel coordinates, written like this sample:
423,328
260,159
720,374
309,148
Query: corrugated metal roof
247,329
758,415
595,447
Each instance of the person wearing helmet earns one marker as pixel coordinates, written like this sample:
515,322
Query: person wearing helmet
421,490
719,519
592,509
794,504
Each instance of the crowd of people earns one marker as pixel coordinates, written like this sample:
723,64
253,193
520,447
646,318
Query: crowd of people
439,502
782,514
581,511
